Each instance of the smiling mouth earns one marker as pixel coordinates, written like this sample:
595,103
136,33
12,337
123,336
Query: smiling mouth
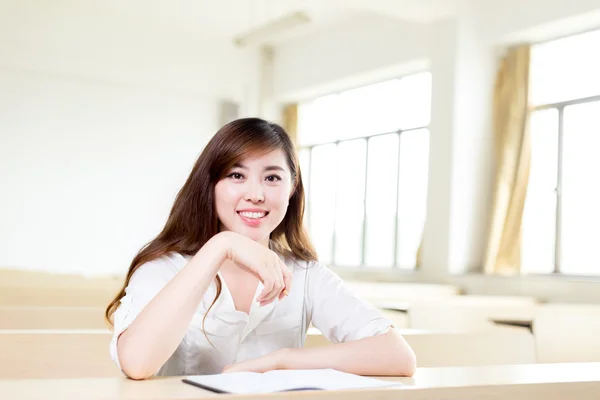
253,215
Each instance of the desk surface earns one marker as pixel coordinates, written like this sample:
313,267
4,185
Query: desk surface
553,381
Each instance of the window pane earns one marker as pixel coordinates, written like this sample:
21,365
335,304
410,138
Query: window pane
414,105
565,69
318,121
412,201
382,181
370,110
322,199
350,202
374,109
539,217
580,216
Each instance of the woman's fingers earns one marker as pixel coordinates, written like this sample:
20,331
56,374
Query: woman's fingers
287,280
270,283
278,282
284,276
277,287
265,265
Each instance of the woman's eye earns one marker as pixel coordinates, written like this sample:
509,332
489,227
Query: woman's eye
236,175
273,178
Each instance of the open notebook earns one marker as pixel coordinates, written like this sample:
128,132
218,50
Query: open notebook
285,380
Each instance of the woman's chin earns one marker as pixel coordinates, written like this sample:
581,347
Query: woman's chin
254,234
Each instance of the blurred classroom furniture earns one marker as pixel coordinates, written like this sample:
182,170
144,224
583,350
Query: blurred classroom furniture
441,349
567,333
381,293
35,317
52,326
44,354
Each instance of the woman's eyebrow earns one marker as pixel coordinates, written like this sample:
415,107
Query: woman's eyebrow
267,168
274,168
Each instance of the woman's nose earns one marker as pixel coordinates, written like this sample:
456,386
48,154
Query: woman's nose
255,193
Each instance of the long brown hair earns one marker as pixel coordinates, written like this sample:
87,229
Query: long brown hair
193,219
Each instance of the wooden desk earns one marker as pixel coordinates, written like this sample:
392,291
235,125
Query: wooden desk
45,353
31,317
446,349
41,279
55,296
377,292
568,333
552,381
451,317
51,354
465,313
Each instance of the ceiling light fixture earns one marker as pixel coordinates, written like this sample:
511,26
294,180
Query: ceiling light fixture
271,29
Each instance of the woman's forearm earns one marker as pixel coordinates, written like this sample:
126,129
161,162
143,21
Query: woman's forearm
161,325
384,355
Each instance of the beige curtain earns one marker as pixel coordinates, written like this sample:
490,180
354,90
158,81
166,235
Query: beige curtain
513,152
419,261
290,120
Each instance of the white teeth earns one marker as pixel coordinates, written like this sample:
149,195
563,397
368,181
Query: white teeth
253,215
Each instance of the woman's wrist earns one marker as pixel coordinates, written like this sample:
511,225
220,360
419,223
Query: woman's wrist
214,252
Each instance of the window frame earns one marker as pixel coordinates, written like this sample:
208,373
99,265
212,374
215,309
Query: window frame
560,108
367,138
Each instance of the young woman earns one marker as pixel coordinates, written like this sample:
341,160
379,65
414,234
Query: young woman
232,282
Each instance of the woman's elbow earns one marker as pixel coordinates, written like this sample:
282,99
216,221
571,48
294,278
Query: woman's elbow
133,366
136,372
409,364
406,359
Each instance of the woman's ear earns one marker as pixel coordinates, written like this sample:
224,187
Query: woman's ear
294,184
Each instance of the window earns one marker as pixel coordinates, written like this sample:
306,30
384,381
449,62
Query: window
561,222
364,157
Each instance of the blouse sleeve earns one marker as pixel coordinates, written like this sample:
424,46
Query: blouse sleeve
146,282
337,312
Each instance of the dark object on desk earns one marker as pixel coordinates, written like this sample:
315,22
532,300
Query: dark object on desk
399,307
524,323
201,386
216,390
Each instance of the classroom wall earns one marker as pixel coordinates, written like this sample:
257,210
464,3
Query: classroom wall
88,170
348,54
84,40
99,130
536,20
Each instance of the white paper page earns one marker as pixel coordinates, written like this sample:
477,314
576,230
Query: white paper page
327,379
234,382
275,381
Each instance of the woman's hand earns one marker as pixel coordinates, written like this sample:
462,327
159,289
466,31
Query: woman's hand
260,261
266,363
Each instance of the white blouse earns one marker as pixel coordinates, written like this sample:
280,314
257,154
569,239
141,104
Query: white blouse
317,295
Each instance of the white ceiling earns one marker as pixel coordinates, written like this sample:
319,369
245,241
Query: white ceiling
226,18
232,17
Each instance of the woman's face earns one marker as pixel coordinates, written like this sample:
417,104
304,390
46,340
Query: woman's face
253,197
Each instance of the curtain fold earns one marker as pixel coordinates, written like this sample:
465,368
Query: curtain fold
513,155
290,121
